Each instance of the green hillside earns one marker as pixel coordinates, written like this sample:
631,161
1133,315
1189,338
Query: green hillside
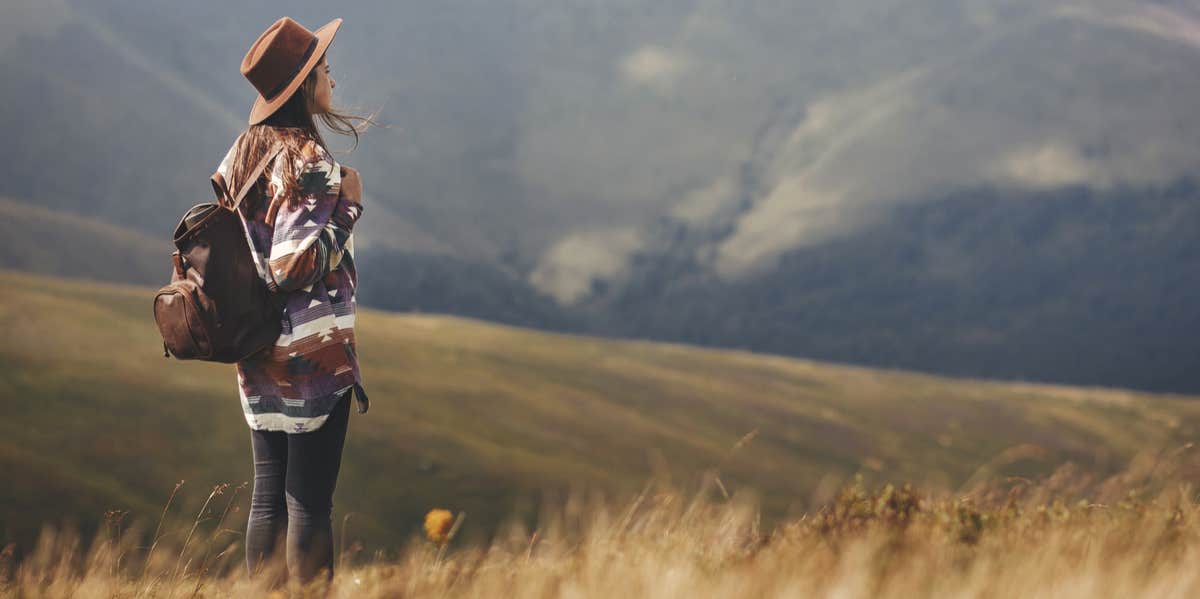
41,240
485,418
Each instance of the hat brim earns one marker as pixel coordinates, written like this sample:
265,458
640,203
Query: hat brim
264,108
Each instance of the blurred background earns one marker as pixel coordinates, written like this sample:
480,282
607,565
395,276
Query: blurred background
995,189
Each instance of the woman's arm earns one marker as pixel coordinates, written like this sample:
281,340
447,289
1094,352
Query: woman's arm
311,232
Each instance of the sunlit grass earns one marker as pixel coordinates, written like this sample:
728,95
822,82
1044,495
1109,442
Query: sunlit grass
1065,535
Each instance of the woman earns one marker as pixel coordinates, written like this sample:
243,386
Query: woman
298,219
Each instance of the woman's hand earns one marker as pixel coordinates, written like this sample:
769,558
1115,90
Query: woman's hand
351,185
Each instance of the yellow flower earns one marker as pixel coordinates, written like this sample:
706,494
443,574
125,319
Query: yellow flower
437,525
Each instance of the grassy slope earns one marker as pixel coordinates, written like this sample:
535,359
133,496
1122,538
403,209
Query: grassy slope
485,418
37,239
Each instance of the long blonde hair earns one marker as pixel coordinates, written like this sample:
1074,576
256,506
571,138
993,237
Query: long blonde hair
294,125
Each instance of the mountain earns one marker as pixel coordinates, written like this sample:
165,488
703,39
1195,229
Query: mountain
572,166
492,420
1069,285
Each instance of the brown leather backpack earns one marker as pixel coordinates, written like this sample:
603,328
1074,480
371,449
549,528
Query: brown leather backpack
216,307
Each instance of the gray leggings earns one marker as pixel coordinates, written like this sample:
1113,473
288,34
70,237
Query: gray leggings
294,478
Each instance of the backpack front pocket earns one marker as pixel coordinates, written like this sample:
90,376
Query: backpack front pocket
179,311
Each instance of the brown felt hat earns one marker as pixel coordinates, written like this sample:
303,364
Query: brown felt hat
280,59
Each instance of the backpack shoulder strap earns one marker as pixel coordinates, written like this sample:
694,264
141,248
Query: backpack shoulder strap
221,188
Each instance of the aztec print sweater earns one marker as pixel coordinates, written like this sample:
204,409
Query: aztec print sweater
303,249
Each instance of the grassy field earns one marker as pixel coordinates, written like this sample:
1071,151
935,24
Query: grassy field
1132,535
498,422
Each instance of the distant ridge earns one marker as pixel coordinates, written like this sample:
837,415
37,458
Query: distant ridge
39,240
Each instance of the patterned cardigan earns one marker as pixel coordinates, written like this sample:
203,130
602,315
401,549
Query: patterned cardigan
303,249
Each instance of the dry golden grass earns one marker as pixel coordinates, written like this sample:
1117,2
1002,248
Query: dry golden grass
1066,535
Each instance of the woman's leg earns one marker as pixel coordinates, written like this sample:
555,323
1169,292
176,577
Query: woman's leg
268,512
312,470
